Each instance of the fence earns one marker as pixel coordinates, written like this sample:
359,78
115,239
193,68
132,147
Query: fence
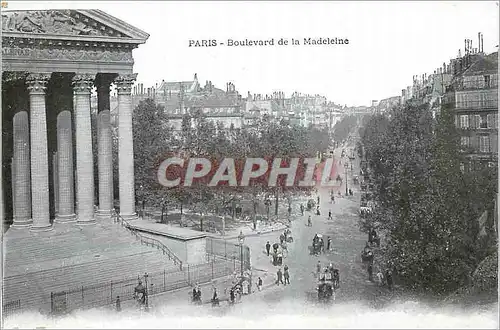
222,248
102,294
11,307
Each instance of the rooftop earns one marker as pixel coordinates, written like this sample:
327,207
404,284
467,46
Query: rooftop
484,65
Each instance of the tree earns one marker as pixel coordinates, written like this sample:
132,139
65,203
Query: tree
426,205
344,127
151,140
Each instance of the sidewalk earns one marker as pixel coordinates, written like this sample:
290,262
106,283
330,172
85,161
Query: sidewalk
247,230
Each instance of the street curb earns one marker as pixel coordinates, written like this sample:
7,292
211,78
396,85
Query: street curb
283,227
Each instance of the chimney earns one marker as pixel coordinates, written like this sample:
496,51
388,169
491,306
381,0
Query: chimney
481,49
479,41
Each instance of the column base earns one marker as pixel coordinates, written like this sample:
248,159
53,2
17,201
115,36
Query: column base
88,222
40,228
104,214
21,224
129,217
65,218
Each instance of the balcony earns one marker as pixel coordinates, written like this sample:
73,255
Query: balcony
471,105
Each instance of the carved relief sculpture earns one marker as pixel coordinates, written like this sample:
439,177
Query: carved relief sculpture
46,21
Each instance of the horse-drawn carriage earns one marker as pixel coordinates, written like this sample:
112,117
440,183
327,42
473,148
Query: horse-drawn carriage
367,256
355,179
311,203
373,238
317,245
327,285
277,259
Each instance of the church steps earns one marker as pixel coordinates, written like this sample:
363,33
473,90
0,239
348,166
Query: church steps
35,288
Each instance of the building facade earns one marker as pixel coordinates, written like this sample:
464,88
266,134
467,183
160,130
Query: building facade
473,97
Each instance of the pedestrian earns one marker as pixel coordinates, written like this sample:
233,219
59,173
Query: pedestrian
318,267
330,215
280,277
328,243
284,248
231,296
309,221
318,200
215,298
286,275
317,210
380,278
268,247
370,272
350,192
259,284
282,238
302,209
118,304
333,198
388,279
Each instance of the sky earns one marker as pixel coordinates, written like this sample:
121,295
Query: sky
389,42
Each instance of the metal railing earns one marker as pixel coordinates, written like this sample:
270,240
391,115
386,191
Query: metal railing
148,241
228,251
165,280
11,308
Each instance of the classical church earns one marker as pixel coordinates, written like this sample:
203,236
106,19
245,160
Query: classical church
58,195
52,60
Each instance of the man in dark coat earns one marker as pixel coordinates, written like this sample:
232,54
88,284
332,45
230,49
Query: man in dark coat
388,279
280,277
268,247
286,274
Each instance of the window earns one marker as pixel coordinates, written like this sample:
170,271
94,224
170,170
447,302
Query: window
492,121
487,82
476,121
464,141
464,121
483,121
484,143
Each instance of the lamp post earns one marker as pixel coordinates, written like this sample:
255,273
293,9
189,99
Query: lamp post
162,209
241,239
142,201
146,294
346,166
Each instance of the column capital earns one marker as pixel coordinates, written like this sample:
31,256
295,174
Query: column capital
37,82
124,83
83,83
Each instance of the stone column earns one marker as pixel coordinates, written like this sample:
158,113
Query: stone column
82,85
104,149
125,145
21,181
37,84
66,197
55,180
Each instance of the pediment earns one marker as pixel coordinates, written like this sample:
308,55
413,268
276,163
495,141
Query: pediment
70,24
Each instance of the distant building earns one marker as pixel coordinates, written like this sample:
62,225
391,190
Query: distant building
189,97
